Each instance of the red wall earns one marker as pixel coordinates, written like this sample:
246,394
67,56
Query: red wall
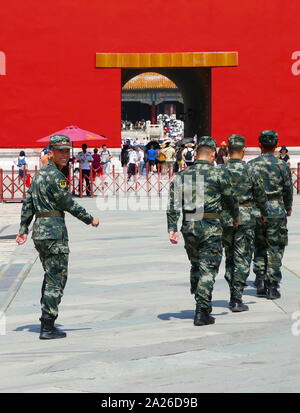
52,82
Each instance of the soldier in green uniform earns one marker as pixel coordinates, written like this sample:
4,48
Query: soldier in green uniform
239,242
271,237
201,192
47,199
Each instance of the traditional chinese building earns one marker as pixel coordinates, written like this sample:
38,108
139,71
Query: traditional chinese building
148,95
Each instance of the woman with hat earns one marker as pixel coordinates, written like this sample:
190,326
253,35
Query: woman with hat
283,155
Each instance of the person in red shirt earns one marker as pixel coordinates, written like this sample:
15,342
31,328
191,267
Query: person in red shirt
96,164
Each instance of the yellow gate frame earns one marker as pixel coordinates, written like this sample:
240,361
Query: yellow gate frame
167,60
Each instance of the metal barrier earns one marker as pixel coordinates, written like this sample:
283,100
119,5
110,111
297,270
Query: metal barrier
148,183
12,186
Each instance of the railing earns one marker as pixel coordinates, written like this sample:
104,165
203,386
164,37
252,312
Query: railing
13,188
120,182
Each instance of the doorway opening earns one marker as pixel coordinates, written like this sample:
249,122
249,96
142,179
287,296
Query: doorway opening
192,87
150,99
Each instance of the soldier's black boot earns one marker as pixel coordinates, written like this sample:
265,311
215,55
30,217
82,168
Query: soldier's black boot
237,306
272,291
231,302
49,332
202,318
260,284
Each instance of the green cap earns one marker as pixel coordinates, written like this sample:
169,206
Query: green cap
268,138
60,142
236,141
207,141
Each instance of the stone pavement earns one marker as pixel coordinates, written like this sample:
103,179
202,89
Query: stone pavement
128,314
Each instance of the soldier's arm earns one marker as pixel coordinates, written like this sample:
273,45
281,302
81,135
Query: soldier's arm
259,196
287,192
229,201
174,204
27,213
65,202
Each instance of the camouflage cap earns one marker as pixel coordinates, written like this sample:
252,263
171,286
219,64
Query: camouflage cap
60,142
268,138
207,141
235,141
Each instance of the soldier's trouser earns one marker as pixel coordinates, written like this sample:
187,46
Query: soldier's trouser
238,244
54,255
270,241
203,244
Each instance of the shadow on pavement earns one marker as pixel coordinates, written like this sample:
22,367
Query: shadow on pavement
252,293
184,314
35,328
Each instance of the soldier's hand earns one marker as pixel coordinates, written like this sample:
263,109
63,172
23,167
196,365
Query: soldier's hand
95,222
236,223
173,236
289,213
264,219
21,238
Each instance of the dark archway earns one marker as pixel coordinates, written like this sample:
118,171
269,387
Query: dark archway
195,87
135,111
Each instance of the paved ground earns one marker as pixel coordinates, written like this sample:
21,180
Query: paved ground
129,318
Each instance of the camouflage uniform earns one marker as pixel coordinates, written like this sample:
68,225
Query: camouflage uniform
271,237
47,199
239,242
201,228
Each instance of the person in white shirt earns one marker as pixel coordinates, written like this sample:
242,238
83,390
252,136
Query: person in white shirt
22,165
188,154
141,156
85,158
105,158
132,163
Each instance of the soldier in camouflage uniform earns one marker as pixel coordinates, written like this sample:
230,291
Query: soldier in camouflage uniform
239,242
47,199
201,191
271,237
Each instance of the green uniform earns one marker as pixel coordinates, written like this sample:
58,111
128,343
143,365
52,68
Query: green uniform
201,227
239,242
271,237
48,196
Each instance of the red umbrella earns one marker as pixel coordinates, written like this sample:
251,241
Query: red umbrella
77,135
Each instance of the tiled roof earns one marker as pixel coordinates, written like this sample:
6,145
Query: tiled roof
150,80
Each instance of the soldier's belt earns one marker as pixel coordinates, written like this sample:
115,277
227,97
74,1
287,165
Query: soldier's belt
199,216
274,197
49,214
211,215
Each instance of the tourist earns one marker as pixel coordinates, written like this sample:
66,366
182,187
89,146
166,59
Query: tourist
284,156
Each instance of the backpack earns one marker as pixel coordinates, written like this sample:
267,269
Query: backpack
189,155
179,155
21,162
160,156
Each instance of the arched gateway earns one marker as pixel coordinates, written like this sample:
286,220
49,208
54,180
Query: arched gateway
191,72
